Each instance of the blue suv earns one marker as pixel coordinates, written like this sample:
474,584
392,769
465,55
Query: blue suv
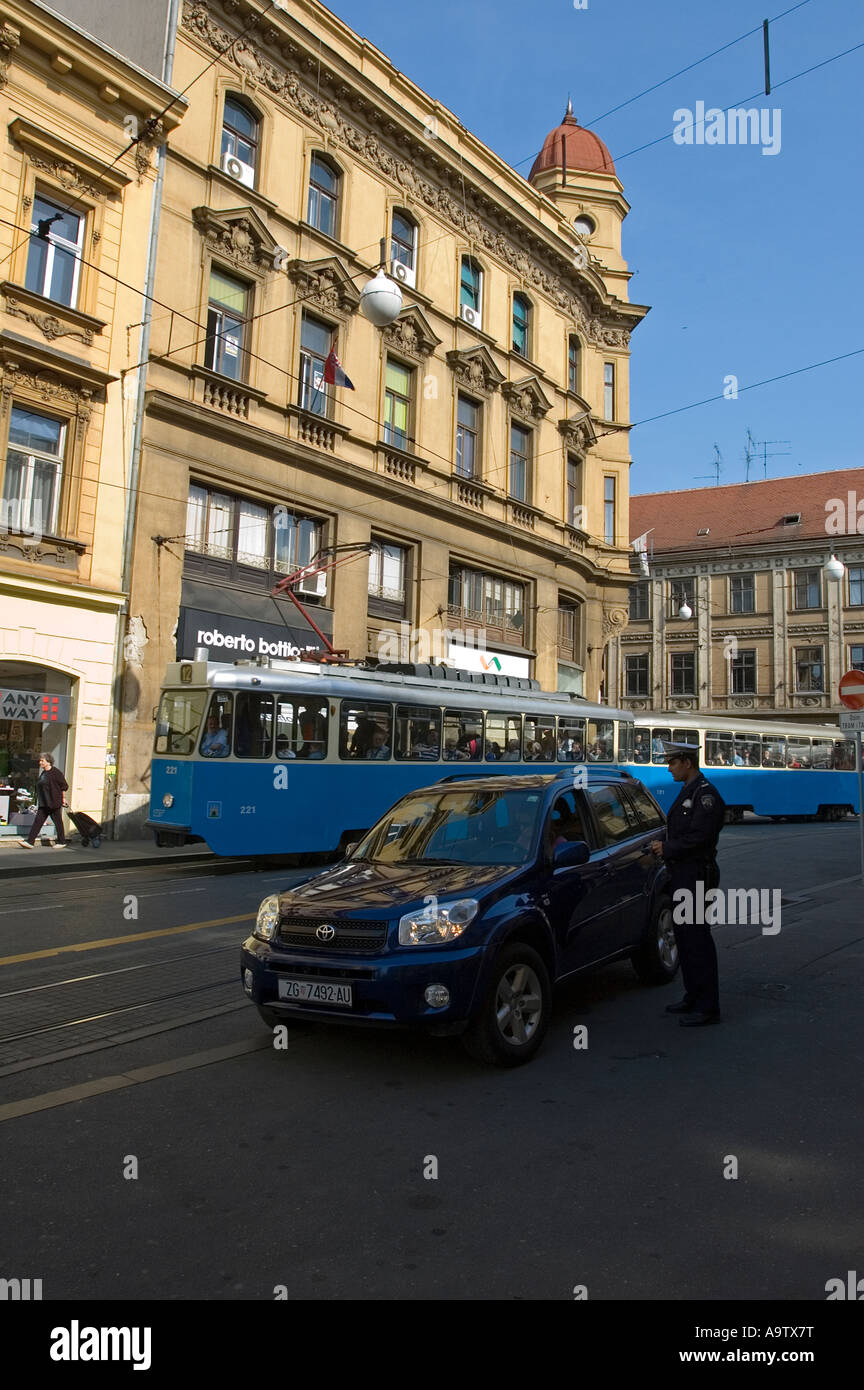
464,904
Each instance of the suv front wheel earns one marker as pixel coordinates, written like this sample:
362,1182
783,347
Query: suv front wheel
656,960
512,1020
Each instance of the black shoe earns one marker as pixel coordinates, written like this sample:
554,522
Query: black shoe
684,1007
699,1020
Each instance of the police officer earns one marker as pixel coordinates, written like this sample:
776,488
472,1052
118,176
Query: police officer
692,830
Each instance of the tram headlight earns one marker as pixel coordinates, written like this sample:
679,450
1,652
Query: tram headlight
437,922
167,801
268,919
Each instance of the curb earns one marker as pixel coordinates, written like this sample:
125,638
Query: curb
64,865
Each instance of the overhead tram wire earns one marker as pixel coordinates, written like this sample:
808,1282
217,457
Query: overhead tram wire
775,86
690,66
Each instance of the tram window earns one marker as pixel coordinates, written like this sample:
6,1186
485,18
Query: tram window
216,738
686,736
366,730
503,738
571,739
822,750
845,755
747,750
178,721
601,735
773,751
463,735
718,749
798,752
418,733
538,739
253,726
658,738
626,741
301,727
642,746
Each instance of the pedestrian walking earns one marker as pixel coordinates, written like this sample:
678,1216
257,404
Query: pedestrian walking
51,788
689,851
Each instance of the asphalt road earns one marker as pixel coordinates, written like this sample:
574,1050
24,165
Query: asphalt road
126,1046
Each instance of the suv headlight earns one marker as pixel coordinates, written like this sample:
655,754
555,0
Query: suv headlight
437,922
268,919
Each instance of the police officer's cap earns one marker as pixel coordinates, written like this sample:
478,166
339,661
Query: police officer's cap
680,750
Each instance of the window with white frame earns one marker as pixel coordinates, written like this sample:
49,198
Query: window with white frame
240,133
609,526
807,588
609,390
316,340
227,311
33,474
323,205
388,567
54,253
403,240
742,593
234,538
743,672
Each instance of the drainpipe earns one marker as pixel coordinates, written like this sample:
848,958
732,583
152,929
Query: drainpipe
138,423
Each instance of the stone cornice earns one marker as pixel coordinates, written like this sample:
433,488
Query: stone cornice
326,283
522,245
53,320
237,235
71,165
475,369
69,50
526,398
412,334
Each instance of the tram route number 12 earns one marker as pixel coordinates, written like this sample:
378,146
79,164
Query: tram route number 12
247,810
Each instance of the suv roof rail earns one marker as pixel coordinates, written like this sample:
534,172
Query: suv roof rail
596,769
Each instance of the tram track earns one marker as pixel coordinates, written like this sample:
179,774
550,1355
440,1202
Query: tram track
88,1008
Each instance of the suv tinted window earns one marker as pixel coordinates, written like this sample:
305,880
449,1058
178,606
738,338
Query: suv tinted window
617,822
650,816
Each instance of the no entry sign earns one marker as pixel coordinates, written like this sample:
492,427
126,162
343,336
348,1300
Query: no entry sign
851,689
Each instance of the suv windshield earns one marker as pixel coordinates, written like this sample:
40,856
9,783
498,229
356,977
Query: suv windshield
457,827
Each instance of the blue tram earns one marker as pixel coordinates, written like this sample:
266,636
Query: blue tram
257,761
771,768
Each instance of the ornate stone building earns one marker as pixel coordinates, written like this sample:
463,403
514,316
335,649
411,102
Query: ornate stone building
480,465
765,630
75,212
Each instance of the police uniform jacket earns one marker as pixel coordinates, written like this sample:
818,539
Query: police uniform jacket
693,827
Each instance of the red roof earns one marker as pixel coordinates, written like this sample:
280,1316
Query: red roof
584,150
747,514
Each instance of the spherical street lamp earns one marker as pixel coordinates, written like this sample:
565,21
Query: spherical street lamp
834,569
685,611
381,300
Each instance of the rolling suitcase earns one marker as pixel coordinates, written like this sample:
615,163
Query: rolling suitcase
91,831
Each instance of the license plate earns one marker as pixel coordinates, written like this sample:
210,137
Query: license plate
316,992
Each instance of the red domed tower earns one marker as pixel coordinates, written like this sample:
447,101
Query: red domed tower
575,169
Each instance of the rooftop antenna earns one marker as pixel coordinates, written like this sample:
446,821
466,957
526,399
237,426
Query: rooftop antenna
716,467
756,449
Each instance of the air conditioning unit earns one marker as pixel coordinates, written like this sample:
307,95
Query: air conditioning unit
243,173
469,315
405,274
314,585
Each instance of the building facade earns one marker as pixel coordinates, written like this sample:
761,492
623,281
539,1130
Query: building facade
766,631
75,214
480,465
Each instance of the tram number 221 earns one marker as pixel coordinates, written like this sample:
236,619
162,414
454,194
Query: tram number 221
247,810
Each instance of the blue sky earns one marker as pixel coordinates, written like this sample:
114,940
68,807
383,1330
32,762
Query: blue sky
750,261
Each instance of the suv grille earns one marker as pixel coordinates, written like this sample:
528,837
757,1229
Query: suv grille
350,936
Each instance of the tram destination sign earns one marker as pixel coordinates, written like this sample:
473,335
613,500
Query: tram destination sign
34,705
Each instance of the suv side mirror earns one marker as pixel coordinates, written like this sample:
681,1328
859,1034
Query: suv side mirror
569,856
349,850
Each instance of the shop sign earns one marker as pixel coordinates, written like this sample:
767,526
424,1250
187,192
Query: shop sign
35,706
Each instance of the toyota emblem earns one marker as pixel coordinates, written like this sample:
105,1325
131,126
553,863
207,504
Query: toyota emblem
325,933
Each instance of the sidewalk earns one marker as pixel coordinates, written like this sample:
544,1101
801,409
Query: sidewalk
18,862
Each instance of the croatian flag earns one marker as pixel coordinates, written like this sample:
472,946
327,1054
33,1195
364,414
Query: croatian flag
333,373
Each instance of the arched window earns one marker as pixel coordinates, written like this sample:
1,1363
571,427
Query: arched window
574,364
470,284
324,184
521,325
403,246
240,129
